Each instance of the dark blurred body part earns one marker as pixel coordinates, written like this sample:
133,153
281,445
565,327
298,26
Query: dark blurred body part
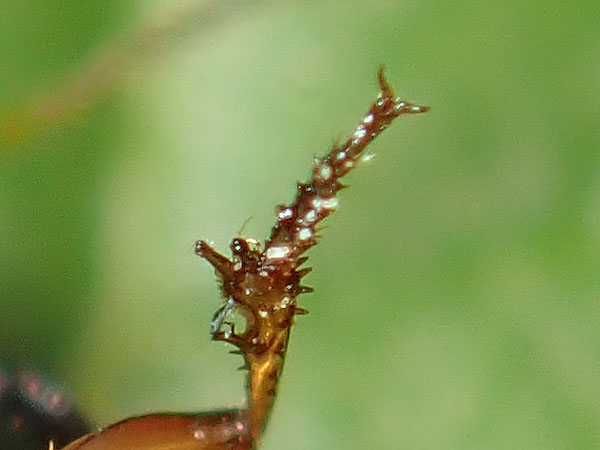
35,410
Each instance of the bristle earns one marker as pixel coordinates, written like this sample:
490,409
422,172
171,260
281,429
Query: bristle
300,311
301,260
302,273
305,289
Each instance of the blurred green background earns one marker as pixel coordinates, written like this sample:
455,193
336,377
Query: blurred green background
457,289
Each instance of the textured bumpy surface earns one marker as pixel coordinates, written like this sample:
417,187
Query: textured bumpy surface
261,285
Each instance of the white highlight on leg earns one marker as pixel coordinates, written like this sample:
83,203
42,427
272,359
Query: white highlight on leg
277,252
305,234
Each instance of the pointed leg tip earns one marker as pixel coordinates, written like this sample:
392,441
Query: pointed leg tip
419,108
404,107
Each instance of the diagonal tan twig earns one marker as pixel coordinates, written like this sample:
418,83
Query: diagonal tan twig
72,96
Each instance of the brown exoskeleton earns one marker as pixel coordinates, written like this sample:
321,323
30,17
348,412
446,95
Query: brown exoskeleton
261,284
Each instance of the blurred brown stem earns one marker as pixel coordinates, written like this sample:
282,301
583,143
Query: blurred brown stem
72,96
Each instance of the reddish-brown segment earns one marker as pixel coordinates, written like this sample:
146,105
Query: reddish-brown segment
213,431
261,285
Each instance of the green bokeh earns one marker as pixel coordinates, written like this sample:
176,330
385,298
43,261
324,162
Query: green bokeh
457,289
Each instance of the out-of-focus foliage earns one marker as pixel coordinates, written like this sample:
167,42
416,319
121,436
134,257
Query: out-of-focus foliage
458,287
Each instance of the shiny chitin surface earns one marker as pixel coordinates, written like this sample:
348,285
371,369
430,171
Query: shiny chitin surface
261,284
210,431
